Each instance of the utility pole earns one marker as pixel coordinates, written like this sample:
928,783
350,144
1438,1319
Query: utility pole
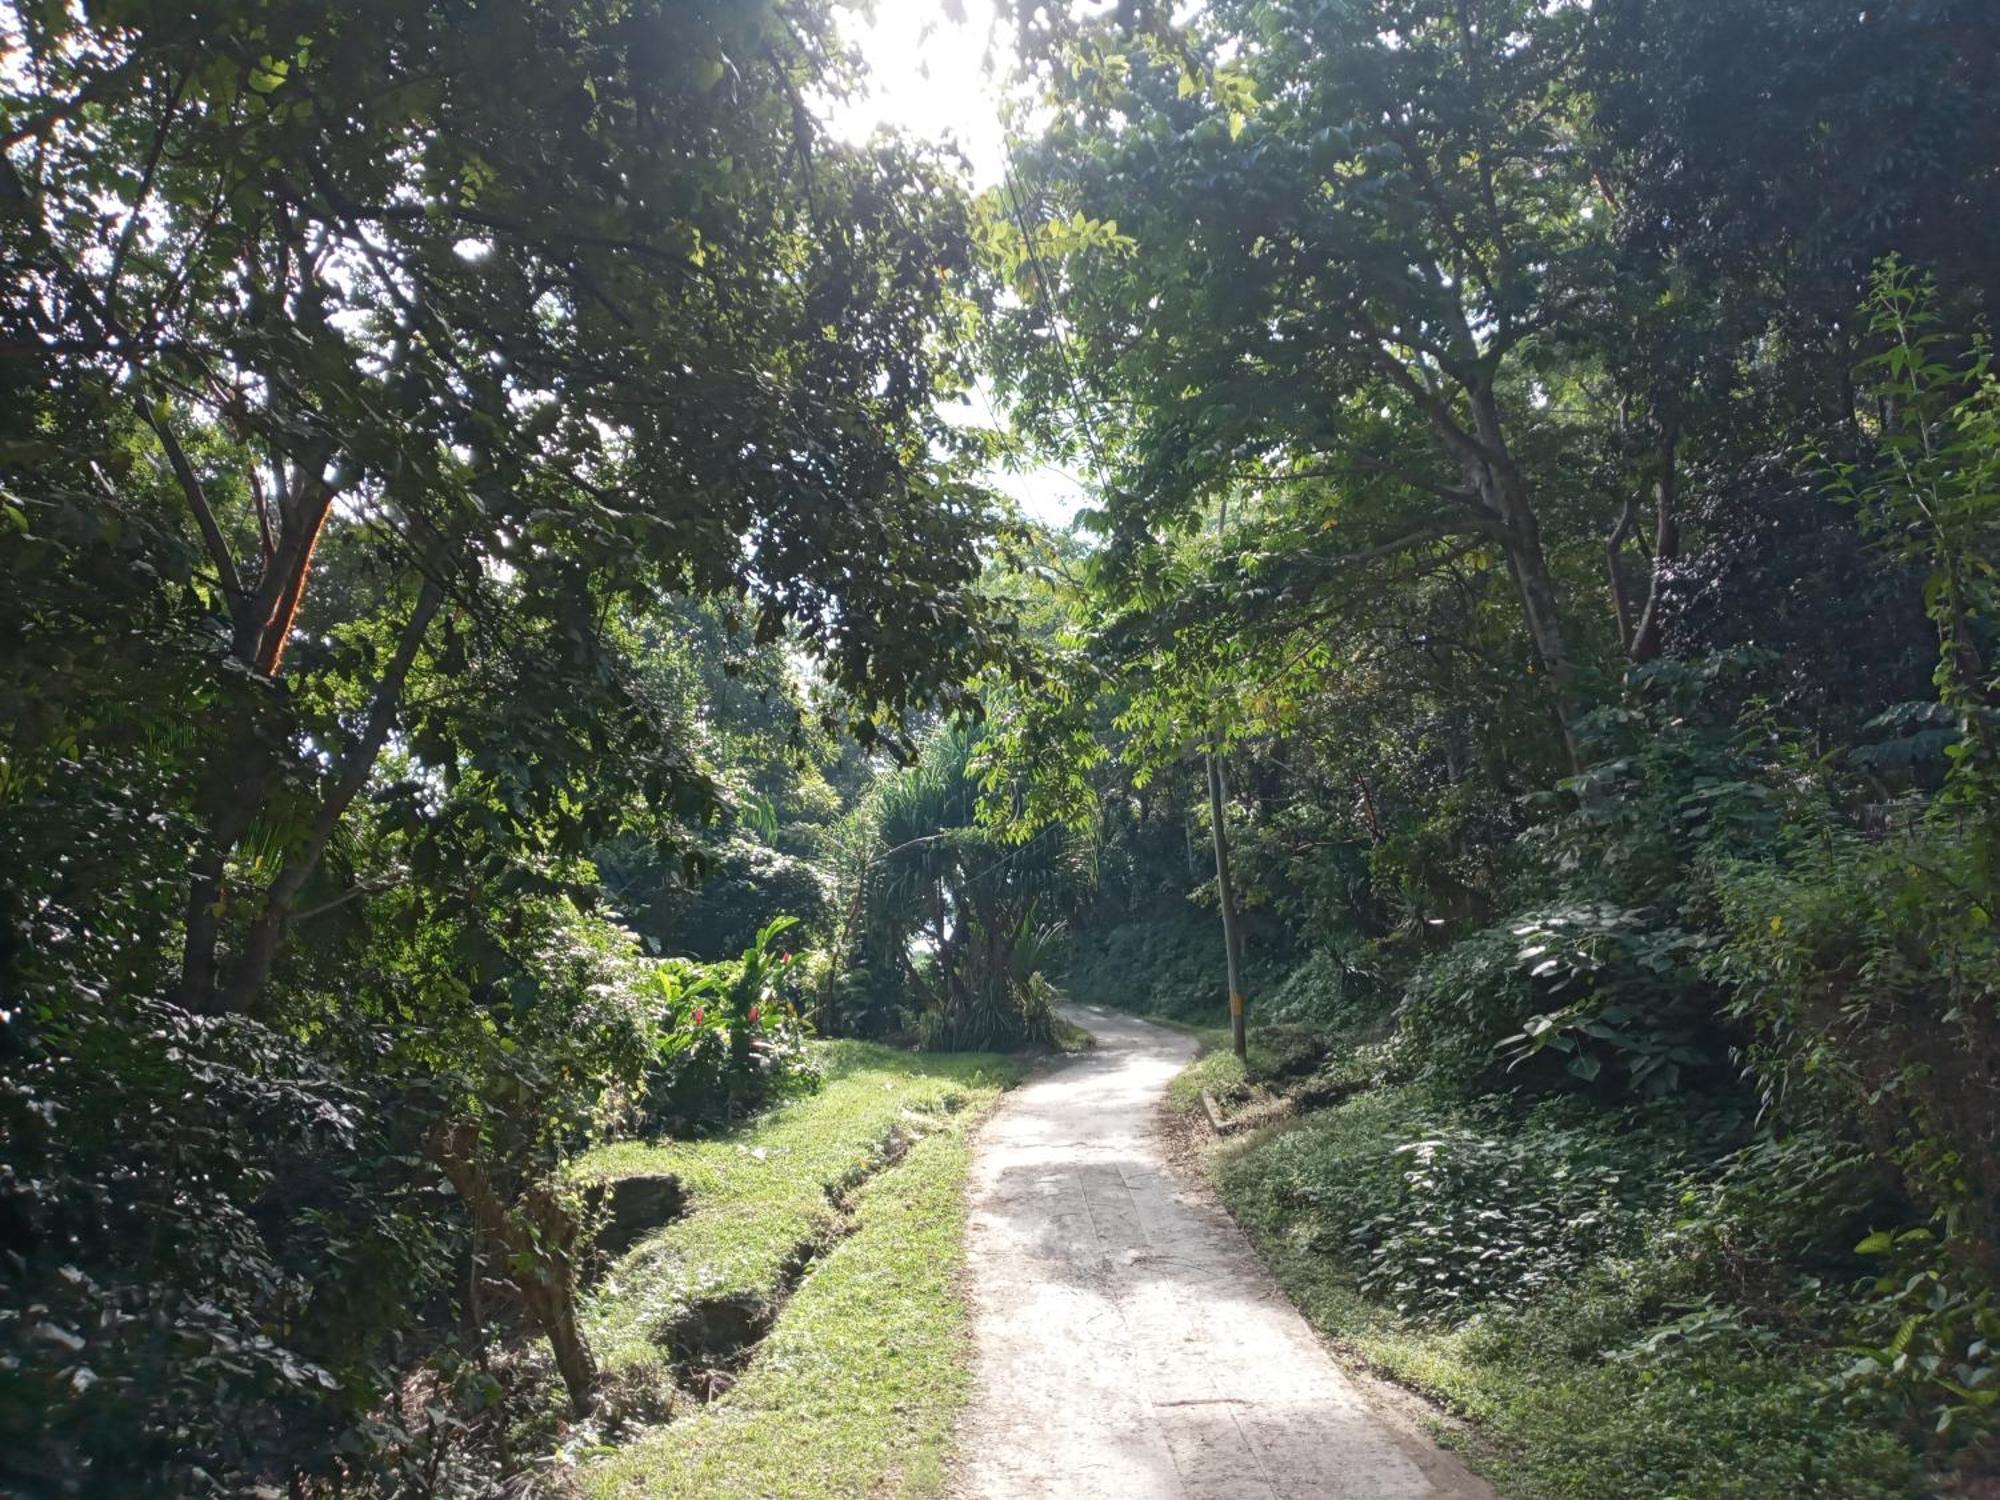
1226,894
1225,888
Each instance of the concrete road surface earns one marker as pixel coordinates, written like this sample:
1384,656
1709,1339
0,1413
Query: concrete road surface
1130,1344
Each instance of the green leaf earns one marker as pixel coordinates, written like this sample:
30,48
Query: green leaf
268,74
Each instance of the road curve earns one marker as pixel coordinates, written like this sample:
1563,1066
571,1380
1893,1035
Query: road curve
1129,1343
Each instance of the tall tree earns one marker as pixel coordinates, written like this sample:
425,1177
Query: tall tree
1345,242
518,316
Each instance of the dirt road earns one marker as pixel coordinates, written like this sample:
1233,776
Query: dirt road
1130,1345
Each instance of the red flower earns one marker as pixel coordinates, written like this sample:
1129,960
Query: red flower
698,1013
753,1015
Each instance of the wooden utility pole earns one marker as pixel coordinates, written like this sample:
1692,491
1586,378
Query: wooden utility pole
1225,889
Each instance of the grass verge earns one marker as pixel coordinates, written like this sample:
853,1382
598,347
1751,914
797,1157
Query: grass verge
854,1389
1071,1038
1616,1379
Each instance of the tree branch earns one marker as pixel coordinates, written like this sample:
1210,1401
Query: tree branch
1433,406
131,227
1366,466
344,208
261,943
88,94
1435,531
204,517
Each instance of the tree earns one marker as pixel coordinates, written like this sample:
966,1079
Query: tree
373,375
510,358
1409,213
960,920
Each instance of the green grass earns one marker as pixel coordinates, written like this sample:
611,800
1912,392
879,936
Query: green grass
1071,1038
855,1388
1557,1407
1215,1071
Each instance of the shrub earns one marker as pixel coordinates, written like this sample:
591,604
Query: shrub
1446,1211
143,1292
1331,988
1569,995
743,886
730,1037
1458,1006
1588,1318
1874,984
999,1014
1928,1345
1165,964
239,1289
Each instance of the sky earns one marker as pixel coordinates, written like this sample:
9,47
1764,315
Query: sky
929,78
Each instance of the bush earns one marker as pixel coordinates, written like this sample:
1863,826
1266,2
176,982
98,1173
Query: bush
1335,989
1717,1413
1875,986
730,1037
744,885
1166,964
239,1289
1003,1013
1446,1211
1564,996
1872,983
1615,1308
143,1291
1457,1007
856,1000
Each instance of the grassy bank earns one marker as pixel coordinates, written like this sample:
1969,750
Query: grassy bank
829,1233
1555,1282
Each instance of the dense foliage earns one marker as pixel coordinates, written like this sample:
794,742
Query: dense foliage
414,424
1549,450
945,928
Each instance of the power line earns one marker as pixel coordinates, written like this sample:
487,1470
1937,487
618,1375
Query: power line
1010,176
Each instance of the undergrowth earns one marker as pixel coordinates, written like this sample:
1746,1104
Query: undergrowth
1605,1298
1167,965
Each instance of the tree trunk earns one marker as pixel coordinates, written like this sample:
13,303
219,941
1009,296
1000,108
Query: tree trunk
305,500
1225,890
1187,827
230,801
1505,493
1614,566
1647,634
267,933
201,929
539,1240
